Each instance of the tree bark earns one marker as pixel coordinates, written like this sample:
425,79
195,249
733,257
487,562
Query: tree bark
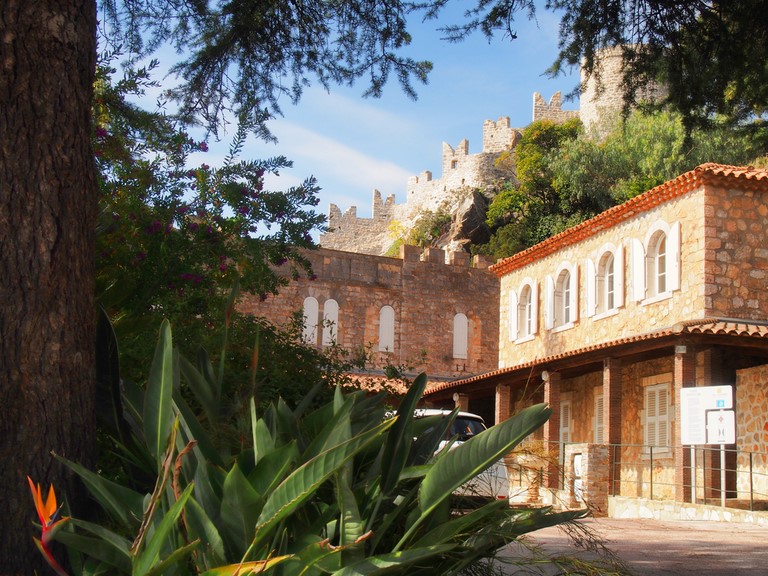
48,204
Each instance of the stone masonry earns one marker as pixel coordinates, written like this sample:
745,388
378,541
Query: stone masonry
462,173
426,291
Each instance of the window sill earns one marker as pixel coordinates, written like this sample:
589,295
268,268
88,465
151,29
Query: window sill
563,327
525,339
606,314
657,298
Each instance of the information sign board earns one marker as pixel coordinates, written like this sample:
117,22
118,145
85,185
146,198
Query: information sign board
695,405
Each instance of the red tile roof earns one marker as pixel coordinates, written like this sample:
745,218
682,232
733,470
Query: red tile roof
709,326
711,173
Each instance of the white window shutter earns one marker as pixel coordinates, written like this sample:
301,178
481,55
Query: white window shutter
575,293
387,329
460,336
599,418
618,277
673,257
662,409
638,270
330,322
565,421
534,308
591,279
650,417
549,302
512,315
311,311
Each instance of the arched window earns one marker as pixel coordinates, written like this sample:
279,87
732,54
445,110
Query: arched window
563,299
311,309
460,336
386,329
606,283
656,265
330,322
525,313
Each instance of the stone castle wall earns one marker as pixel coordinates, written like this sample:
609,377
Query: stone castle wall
426,292
461,173
602,95
552,111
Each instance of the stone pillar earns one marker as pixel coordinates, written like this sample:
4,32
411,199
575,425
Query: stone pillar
461,401
552,431
685,377
612,420
503,403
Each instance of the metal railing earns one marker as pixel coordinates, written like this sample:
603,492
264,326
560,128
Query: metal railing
708,474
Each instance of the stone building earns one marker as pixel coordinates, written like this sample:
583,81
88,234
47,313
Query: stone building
613,322
433,312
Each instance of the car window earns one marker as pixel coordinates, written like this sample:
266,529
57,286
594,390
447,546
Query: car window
465,428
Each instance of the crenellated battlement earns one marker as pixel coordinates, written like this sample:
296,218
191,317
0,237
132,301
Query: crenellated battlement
463,172
552,111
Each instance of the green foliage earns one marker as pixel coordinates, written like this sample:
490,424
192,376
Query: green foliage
711,56
172,240
429,227
531,211
566,179
337,489
245,57
644,151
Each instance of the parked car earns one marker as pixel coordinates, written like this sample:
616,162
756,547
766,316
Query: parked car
493,482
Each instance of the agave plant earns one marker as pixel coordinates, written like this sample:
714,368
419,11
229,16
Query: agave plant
340,490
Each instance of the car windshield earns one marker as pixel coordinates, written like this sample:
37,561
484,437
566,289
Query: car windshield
464,427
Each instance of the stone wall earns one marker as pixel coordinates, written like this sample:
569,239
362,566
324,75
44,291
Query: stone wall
552,111
426,291
635,317
752,432
364,235
602,99
736,253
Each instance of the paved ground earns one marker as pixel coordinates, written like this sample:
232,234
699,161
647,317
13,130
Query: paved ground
650,547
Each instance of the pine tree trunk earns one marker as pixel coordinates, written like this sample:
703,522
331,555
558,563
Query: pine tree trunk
48,203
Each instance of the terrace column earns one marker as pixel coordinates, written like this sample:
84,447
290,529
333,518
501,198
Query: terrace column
503,403
612,420
685,377
552,430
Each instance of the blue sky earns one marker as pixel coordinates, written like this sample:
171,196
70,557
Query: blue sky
354,145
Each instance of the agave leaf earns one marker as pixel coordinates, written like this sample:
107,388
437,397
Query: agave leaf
273,468
400,437
240,507
454,467
305,480
203,389
105,546
337,430
146,557
201,527
194,431
121,503
460,464
263,442
461,524
173,560
384,563
158,412
247,568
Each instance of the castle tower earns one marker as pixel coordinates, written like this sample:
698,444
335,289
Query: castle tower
602,94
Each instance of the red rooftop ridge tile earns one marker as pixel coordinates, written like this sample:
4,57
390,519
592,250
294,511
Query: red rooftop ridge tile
749,178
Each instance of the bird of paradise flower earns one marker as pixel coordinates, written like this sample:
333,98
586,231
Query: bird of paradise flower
48,512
